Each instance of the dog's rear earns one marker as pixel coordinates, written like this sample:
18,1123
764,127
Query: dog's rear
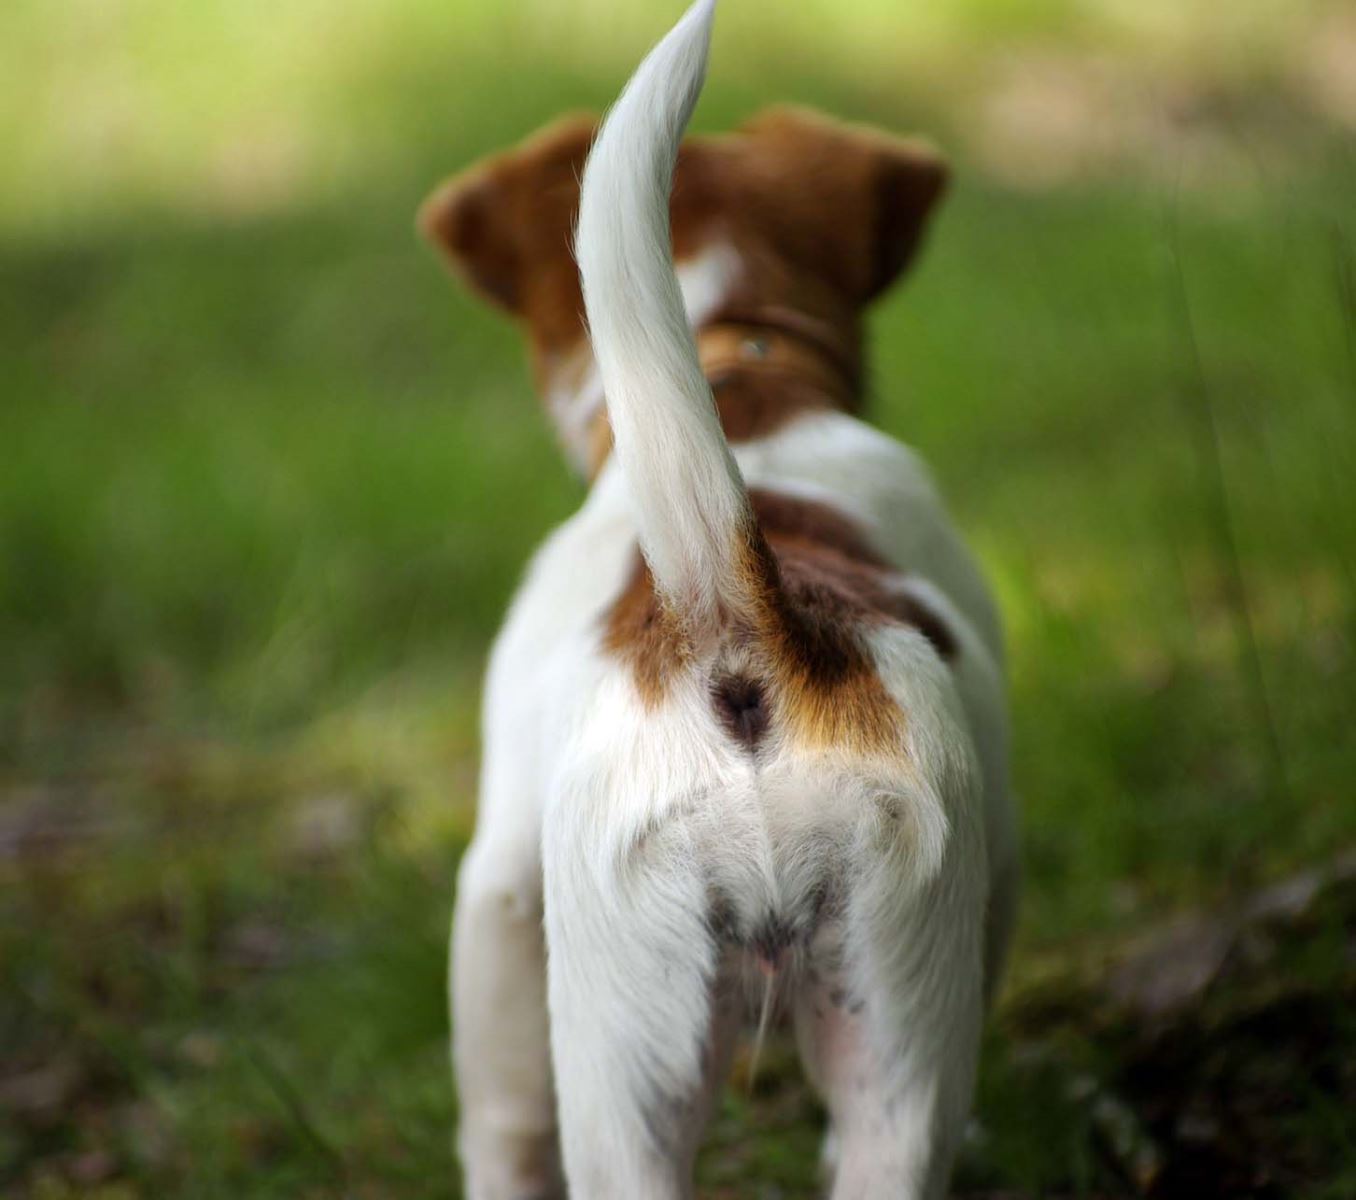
797,799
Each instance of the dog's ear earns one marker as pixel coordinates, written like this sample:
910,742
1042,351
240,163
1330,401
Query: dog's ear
848,201
512,214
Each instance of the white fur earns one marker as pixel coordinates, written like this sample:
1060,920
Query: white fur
618,826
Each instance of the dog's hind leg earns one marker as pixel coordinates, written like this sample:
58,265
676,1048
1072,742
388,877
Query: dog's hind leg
888,1017
507,1131
643,1009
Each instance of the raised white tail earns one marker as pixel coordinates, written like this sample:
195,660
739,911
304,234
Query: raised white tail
691,504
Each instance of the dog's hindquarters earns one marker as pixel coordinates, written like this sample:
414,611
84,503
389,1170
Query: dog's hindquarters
680,869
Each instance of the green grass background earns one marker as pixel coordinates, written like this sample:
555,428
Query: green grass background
269,480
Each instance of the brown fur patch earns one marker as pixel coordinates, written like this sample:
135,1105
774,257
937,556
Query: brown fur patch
506,227
794,521
827,691
814,585
643,633
816,542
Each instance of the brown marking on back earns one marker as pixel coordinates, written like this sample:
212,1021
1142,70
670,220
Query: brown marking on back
794,520
822,215
813,586
826,688
909,610
815,542
642,631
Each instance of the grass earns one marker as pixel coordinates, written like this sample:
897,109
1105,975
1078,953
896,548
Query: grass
270,483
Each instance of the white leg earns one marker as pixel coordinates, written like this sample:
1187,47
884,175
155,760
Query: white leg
888,1021
507,1135
643,1011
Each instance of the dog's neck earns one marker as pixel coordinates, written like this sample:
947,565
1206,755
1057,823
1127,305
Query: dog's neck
765,366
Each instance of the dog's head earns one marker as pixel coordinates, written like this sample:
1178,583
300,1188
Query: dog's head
807,218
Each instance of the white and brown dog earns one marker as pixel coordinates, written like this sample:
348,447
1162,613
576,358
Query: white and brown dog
745,721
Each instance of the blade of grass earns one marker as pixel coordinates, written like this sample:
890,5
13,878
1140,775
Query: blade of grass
1204,423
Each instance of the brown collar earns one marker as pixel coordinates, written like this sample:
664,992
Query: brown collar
764,368
775,342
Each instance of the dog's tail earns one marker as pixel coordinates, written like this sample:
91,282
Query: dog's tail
692,508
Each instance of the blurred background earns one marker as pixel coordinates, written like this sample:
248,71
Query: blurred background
269,479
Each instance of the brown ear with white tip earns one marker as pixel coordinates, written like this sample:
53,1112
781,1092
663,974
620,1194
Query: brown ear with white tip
847,200
511,217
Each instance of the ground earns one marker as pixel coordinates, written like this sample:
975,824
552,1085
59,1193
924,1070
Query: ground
270,479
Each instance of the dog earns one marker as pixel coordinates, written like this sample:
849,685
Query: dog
745,732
